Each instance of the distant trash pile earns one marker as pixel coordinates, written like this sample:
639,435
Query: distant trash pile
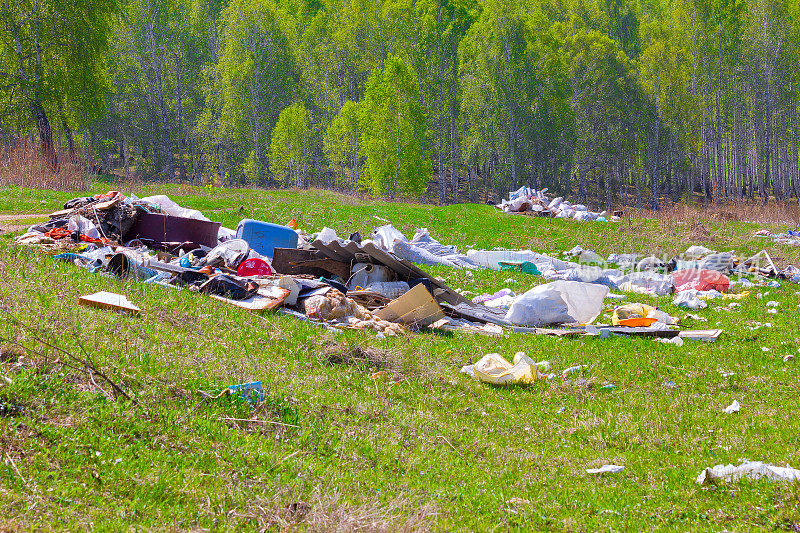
376,284
529,201
791,238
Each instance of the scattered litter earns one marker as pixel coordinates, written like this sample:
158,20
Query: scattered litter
749,470
493,368
572,370
251,392
788,357
734,407
375,284
696,318
605,469
537,203
677,341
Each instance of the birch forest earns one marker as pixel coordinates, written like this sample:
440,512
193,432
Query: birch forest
449,100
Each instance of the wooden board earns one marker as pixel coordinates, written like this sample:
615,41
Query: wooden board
295,261
707,335
102,206
268,298
109,300
63,212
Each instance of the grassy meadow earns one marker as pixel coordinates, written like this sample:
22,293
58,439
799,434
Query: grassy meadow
340,446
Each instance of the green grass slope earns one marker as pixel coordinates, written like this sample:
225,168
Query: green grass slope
422,447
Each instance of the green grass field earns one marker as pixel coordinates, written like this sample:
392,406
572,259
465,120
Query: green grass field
423,448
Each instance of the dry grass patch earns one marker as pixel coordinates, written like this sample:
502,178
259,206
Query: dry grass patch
329,512
362,357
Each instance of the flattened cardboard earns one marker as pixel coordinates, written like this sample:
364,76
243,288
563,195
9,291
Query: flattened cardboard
417,306
109,300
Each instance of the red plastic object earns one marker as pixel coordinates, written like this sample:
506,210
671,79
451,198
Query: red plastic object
107,196
254,267
292,224
702,280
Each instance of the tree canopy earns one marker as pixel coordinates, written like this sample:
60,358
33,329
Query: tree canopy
456,99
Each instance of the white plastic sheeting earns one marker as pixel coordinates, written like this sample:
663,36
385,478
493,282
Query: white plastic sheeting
168,207
749,470
559,302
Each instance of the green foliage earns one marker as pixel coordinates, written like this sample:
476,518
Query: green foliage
257,77
394,136
52,57
342,142
289,149
608,95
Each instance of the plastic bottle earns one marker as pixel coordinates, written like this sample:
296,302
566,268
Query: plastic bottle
365,274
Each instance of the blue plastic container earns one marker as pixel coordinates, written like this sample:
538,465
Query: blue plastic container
264,237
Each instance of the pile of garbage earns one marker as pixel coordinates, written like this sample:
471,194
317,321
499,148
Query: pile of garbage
529,201
260,266
376,283
791,237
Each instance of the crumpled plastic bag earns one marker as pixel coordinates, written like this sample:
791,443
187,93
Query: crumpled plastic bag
647,282
387,236
721,262
702,280
327,235
734,407
748,469
493,368
559,302
688,300
697,252
638,310
606,469
84,226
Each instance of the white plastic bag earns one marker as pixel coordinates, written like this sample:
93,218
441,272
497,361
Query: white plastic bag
689,300
386,236
749,470
327,235
84,226
559,302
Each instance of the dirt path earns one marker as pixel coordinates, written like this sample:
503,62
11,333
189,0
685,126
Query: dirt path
13,228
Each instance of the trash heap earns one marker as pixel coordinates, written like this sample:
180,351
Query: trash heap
696,275
261,266
376,284
791,237
527,201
